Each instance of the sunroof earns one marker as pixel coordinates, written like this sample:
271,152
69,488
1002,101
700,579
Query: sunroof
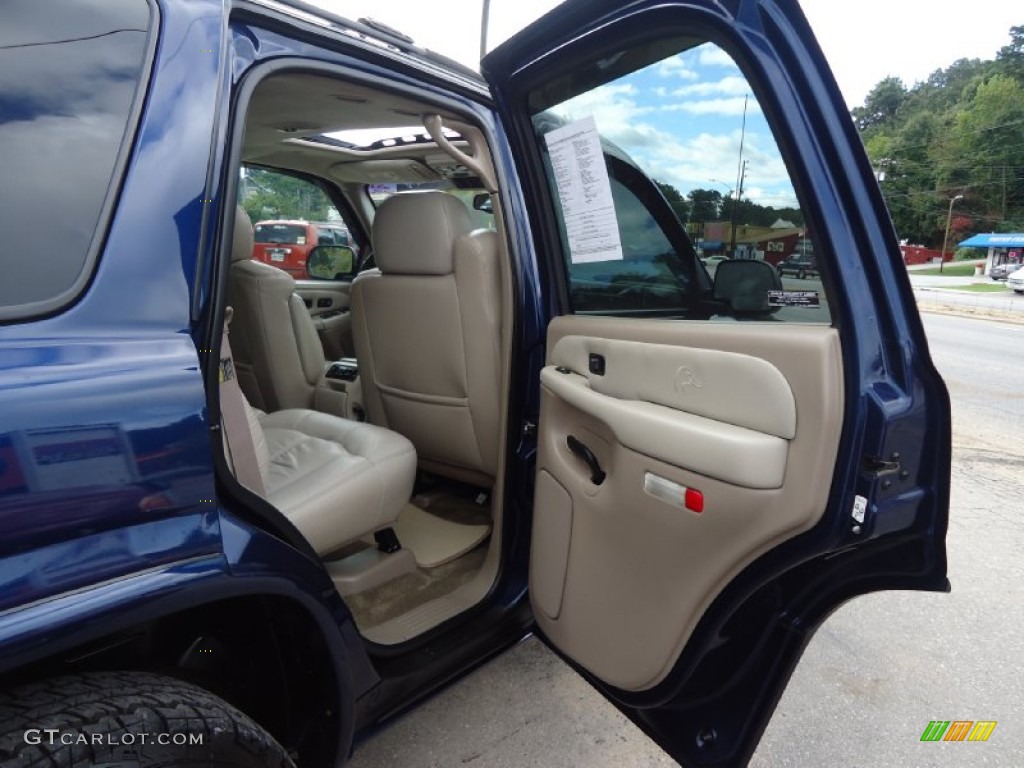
375,138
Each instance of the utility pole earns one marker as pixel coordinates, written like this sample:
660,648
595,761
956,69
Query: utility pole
945,240
484,14
1004,193
740,169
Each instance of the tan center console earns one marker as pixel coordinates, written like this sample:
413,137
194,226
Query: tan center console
338,392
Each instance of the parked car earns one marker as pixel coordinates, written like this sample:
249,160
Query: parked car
217,531
1002,271
798,264
711,263
286,244
1015,281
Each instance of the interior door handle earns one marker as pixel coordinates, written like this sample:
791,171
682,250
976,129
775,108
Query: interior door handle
575,445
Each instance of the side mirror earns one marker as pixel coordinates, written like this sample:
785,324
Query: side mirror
330,262
744,284
482,202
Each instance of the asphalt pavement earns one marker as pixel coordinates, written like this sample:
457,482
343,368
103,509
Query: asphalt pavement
876,673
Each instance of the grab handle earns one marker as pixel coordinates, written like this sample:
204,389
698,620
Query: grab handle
575,445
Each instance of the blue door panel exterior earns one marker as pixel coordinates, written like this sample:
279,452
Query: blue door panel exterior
108,506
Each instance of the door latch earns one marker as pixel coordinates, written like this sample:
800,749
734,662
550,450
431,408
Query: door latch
877,468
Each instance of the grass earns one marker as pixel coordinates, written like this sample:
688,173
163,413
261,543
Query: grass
979,287
956,269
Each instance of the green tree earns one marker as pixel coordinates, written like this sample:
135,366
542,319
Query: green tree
882,104
907,157
272,195
757,215
988,141
961,131
705,204
1011,57
675,200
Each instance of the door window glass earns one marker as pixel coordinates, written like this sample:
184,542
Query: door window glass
670,191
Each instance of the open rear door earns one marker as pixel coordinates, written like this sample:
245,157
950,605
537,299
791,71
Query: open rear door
725,455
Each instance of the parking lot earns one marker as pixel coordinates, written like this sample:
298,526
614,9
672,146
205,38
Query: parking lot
877,672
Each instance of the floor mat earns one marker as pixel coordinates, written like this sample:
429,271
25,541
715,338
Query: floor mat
435,540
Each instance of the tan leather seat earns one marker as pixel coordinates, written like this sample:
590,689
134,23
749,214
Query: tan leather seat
277,351
426,327
336,480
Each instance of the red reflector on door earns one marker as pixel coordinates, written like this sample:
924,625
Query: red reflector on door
694,500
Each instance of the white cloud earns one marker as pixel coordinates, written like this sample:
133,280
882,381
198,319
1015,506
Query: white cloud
675,67
771,197
695,162
729,86
713,56
730,107
615,112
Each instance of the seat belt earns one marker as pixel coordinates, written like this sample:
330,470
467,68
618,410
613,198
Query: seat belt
234,420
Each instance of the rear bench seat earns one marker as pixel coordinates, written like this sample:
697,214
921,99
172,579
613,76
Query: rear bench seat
335,479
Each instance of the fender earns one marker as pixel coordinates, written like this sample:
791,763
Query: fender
252,563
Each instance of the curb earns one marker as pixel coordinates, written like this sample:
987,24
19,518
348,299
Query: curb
977,313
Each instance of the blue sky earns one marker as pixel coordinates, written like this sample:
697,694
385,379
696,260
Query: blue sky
680,120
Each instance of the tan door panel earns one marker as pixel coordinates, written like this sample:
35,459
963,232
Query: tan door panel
324,296
328,303
717,449
707,382
620,577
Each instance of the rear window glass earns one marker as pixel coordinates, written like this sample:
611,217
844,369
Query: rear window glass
281,233
68,80
332,236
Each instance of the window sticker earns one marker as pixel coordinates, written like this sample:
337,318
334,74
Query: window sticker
584,192
793,299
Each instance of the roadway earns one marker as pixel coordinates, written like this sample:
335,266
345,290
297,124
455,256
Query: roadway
876,673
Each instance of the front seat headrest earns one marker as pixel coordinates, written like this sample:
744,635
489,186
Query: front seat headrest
414,233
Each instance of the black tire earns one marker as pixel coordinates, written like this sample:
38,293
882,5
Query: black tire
98,718
1018,290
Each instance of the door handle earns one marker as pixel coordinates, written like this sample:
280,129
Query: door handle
575,445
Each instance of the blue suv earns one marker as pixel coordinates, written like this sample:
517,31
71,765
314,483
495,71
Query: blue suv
247,518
